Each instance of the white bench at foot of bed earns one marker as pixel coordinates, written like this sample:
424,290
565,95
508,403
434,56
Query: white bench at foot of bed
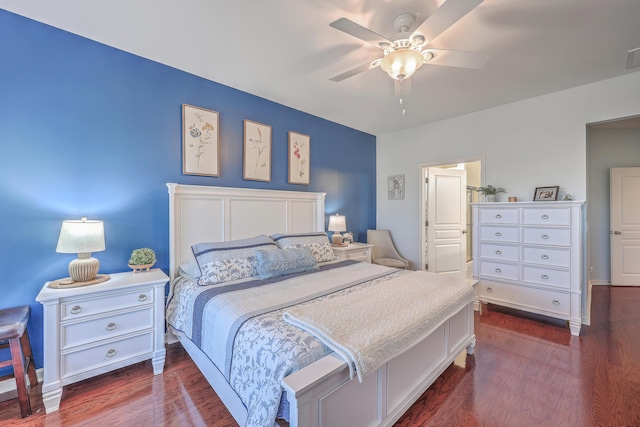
322,395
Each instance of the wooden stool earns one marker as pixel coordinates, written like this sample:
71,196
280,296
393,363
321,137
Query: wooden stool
13,328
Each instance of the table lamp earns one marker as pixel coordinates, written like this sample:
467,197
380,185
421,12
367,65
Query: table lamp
82,237
337,223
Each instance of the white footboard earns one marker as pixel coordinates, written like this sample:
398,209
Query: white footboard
322,395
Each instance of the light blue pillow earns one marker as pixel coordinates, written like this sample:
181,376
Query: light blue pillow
221,262
317,243
284,261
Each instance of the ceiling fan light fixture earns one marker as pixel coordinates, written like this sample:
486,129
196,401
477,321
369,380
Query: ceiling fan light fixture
401,64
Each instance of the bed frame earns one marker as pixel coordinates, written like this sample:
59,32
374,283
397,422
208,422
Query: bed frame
320,394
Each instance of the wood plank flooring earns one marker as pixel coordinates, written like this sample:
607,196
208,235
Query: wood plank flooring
526,372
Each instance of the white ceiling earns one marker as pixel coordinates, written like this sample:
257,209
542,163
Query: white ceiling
285,50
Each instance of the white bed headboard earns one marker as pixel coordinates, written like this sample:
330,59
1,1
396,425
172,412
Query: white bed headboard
217,214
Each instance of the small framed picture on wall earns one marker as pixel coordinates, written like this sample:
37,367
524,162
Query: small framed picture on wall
395,186
200,141
257,152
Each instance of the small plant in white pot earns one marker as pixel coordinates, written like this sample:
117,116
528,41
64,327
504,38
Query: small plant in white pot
142,259
490,192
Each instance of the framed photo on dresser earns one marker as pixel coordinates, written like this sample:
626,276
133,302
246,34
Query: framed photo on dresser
546,194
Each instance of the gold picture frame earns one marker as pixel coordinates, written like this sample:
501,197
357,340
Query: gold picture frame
200,141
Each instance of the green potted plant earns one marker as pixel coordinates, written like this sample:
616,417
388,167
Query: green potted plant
490,192
142,259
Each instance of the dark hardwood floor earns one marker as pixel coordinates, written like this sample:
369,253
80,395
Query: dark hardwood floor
526,372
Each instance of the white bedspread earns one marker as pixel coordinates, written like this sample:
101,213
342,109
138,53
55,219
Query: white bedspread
407,308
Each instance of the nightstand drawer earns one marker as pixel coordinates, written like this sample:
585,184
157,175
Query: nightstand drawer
84,360
359,255
86,307
78,333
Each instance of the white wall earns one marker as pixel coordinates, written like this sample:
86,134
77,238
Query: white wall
532,143
607,148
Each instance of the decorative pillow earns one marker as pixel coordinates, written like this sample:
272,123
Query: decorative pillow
318,243
189,269
284,261
225,261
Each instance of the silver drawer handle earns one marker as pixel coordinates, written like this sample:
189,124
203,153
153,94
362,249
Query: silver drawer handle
545,216
111,352
498,270
545,257
489,289
76,309
544,236
111,326
544,276
498,234
555,302
498,216
142,297
498,252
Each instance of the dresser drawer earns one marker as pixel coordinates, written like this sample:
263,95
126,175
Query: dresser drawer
547,256
499,234
545,276
498,216
499,252
498,270
546,216
530,299
78,308
86,359
547,236
77,333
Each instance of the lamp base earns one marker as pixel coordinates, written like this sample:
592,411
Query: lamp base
84,268
336,239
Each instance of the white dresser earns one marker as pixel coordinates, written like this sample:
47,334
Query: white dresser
529,256
95,329
354,251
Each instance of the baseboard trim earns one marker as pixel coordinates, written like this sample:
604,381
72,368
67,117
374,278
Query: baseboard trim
600,282
9,386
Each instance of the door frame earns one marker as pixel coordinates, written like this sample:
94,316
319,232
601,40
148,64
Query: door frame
423,199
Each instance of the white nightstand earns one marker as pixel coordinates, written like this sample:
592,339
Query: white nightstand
355,251
95,329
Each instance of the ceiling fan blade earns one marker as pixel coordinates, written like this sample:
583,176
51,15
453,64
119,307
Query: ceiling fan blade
356,30
445,16
357,70
458,58
402,88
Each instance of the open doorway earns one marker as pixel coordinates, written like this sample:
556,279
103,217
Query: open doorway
472,170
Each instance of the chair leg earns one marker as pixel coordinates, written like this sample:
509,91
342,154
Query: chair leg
31,364
18,370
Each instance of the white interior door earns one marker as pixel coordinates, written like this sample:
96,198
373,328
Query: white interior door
447,222
625,226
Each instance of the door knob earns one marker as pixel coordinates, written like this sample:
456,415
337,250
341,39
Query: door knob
617,233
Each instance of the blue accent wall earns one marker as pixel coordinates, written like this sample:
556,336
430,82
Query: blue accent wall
89,130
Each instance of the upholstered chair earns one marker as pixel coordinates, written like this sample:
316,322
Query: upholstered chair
383,251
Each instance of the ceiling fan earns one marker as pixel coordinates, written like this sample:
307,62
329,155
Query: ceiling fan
408,50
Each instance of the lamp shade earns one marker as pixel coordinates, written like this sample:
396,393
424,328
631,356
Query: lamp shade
401,64
81,236
337,223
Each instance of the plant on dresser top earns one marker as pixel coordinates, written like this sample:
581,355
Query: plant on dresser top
490,192
142,259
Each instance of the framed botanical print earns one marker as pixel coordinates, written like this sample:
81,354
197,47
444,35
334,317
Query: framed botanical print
299,158
395,187
257,152
200,141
